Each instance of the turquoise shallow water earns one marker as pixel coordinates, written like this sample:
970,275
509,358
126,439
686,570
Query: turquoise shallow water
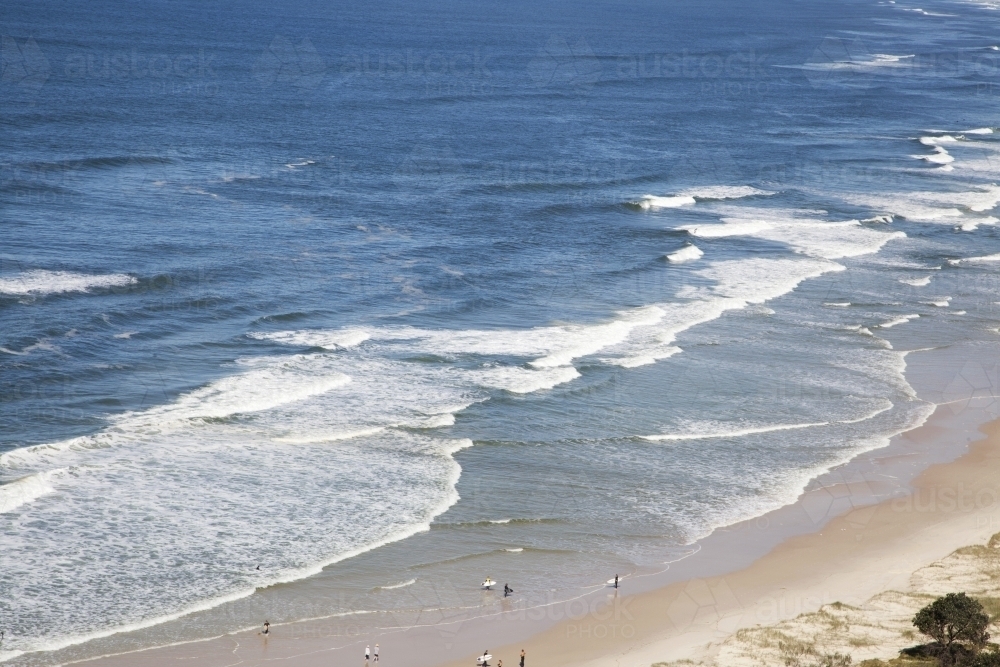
538,292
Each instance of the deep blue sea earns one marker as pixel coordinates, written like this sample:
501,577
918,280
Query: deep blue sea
418,292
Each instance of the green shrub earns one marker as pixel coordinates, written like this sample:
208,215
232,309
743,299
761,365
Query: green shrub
957,624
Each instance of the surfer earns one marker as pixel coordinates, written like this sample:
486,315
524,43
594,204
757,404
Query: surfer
376,653
484,660
258,567
267,628
368,653
522,657
507,590
616,581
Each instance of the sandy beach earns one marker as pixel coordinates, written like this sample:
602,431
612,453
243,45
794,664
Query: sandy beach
316,316
857,555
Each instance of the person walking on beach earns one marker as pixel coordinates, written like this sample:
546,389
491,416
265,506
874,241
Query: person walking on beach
507,590
368,653
267,628
376,652
616,581
522,657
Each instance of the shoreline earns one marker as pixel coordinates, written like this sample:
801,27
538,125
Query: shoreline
855,556
698,607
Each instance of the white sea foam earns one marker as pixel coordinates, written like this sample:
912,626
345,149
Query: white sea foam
525,381
644,359
937,141
737,284
939,156
786,488
726,192
856,62
367,517
40,282
27,489
691,196
984,198
829,240
984,259
934,207
973,225
980,130
742,228
311,439
404,584
265,384
648,202
735,433
916,282
712,433
330,340
897,321
437,421
837,304
940,303
688,253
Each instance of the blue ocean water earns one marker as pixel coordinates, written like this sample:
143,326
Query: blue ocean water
418,291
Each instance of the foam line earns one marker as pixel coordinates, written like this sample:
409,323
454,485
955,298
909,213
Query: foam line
897,321
731,434
649,202
27,489
40,282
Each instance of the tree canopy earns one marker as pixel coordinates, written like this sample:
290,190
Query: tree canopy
957,623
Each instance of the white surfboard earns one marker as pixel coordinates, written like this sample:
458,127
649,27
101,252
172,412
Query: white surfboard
488,583
612,581
483,658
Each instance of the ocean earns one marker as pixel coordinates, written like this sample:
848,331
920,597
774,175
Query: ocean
391,298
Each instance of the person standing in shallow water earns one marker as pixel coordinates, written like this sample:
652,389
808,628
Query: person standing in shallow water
368,653
376,653
522,657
